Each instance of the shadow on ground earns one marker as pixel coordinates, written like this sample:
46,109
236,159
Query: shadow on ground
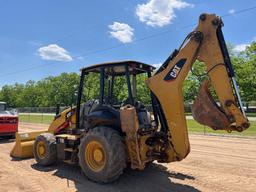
154,178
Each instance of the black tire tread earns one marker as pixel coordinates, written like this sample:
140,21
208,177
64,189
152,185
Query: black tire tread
116,152
51,153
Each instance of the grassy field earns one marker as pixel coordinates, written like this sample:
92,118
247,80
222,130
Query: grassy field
46,119
251,114
247,114
193,126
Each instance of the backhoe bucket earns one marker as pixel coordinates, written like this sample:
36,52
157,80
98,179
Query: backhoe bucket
23,147
205,111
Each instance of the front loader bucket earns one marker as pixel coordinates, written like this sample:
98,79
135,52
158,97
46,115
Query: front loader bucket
23,147
205,111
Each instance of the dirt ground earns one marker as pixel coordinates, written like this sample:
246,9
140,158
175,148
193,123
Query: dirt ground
216,163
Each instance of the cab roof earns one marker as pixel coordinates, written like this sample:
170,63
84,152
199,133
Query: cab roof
118,67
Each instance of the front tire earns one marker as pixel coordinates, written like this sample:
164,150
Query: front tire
102,154
45,150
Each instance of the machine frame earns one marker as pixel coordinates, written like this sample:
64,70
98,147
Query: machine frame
130,68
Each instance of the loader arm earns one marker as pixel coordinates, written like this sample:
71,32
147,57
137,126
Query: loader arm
206,44
23,147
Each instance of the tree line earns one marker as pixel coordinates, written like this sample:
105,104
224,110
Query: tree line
61,89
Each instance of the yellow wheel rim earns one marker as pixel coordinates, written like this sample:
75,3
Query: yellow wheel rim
41,149
95,156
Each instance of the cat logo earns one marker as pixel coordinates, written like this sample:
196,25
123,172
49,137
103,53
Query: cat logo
175,70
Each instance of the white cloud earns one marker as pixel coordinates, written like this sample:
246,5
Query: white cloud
54,52
121,31
157,65
231,11
240,47
158,13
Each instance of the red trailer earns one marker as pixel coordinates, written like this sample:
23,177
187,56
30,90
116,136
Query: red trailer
8,122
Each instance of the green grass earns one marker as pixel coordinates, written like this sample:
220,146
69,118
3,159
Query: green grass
46,119
247,114
251,114
193,126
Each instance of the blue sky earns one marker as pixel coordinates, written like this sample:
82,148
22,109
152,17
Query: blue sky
42,38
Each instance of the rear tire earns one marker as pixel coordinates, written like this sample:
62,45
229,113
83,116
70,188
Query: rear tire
45,150
102,155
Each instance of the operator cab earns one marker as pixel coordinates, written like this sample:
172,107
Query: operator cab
104,88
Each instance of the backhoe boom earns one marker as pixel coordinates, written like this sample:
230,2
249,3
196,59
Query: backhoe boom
205,44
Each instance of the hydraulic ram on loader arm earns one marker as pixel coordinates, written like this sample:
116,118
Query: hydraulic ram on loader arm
206,44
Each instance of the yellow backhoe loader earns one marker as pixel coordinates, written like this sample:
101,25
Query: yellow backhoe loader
105,135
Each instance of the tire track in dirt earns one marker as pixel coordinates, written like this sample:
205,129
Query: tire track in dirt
22,177
221,163
214,164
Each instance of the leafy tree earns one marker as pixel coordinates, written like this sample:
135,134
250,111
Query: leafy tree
192,83
61,89
245,68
